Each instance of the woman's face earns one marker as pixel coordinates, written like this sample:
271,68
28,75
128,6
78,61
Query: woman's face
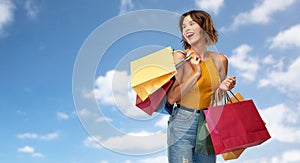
191,31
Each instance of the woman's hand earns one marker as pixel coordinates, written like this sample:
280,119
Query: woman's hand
195,62
228,83
180,86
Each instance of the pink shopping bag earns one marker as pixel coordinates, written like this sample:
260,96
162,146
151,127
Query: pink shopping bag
235,126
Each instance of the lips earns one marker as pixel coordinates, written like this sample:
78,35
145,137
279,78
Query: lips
189,34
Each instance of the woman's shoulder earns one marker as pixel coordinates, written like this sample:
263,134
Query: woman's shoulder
220,57
179,55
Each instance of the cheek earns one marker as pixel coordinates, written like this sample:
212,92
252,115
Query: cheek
198,30
184,37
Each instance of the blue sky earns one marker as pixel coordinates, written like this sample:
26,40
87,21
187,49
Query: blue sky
40,42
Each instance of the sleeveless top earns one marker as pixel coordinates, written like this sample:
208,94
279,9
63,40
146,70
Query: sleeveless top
200,95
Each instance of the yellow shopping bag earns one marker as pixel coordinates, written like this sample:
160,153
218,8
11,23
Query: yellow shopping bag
151,72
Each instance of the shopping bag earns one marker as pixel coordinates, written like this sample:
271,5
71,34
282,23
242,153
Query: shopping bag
151,72
150,95
203,140
233,154
236,153
155,100
235,126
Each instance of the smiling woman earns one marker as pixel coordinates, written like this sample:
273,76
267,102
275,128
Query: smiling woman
204,24
193,89
37,58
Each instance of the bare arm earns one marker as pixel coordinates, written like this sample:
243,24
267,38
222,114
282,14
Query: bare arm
229,82
180,87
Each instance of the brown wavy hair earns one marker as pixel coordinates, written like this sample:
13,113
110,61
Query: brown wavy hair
205,22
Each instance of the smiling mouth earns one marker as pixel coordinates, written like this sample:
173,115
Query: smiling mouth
188,35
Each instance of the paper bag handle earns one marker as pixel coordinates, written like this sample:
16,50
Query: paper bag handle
227,97
184,61
233,96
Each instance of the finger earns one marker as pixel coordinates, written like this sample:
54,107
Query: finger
231,77
232,80
193,61
190,52
229,81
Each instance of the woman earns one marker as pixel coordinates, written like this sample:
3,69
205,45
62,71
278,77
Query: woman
194,87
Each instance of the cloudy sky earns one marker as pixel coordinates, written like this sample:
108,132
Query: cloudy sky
47,116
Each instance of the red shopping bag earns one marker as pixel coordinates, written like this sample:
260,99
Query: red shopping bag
235,126
155,100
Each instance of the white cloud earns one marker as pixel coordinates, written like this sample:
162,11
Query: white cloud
37,155
245,65
104,161
6,14
27,136
61,115
84,112
282,119
261,13
101,119
210,5
92,142
20,112
138,141
160,159
26,149
47,137
268,60
163,122
284,80
31,8
30,150
287,38
114,89
289,156
271,63
141,133
104,86
50,136
126,5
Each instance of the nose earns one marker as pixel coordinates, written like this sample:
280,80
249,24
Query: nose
187,28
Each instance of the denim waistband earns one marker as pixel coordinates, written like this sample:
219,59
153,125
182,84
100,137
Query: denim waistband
190,109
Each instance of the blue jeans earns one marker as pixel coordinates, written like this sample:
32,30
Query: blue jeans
182,132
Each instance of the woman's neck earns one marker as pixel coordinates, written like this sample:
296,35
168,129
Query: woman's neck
202,52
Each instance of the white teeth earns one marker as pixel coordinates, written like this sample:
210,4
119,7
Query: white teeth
189,34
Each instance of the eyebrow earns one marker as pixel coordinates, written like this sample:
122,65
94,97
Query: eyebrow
188,22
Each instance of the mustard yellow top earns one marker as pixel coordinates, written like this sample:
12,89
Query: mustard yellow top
200,95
